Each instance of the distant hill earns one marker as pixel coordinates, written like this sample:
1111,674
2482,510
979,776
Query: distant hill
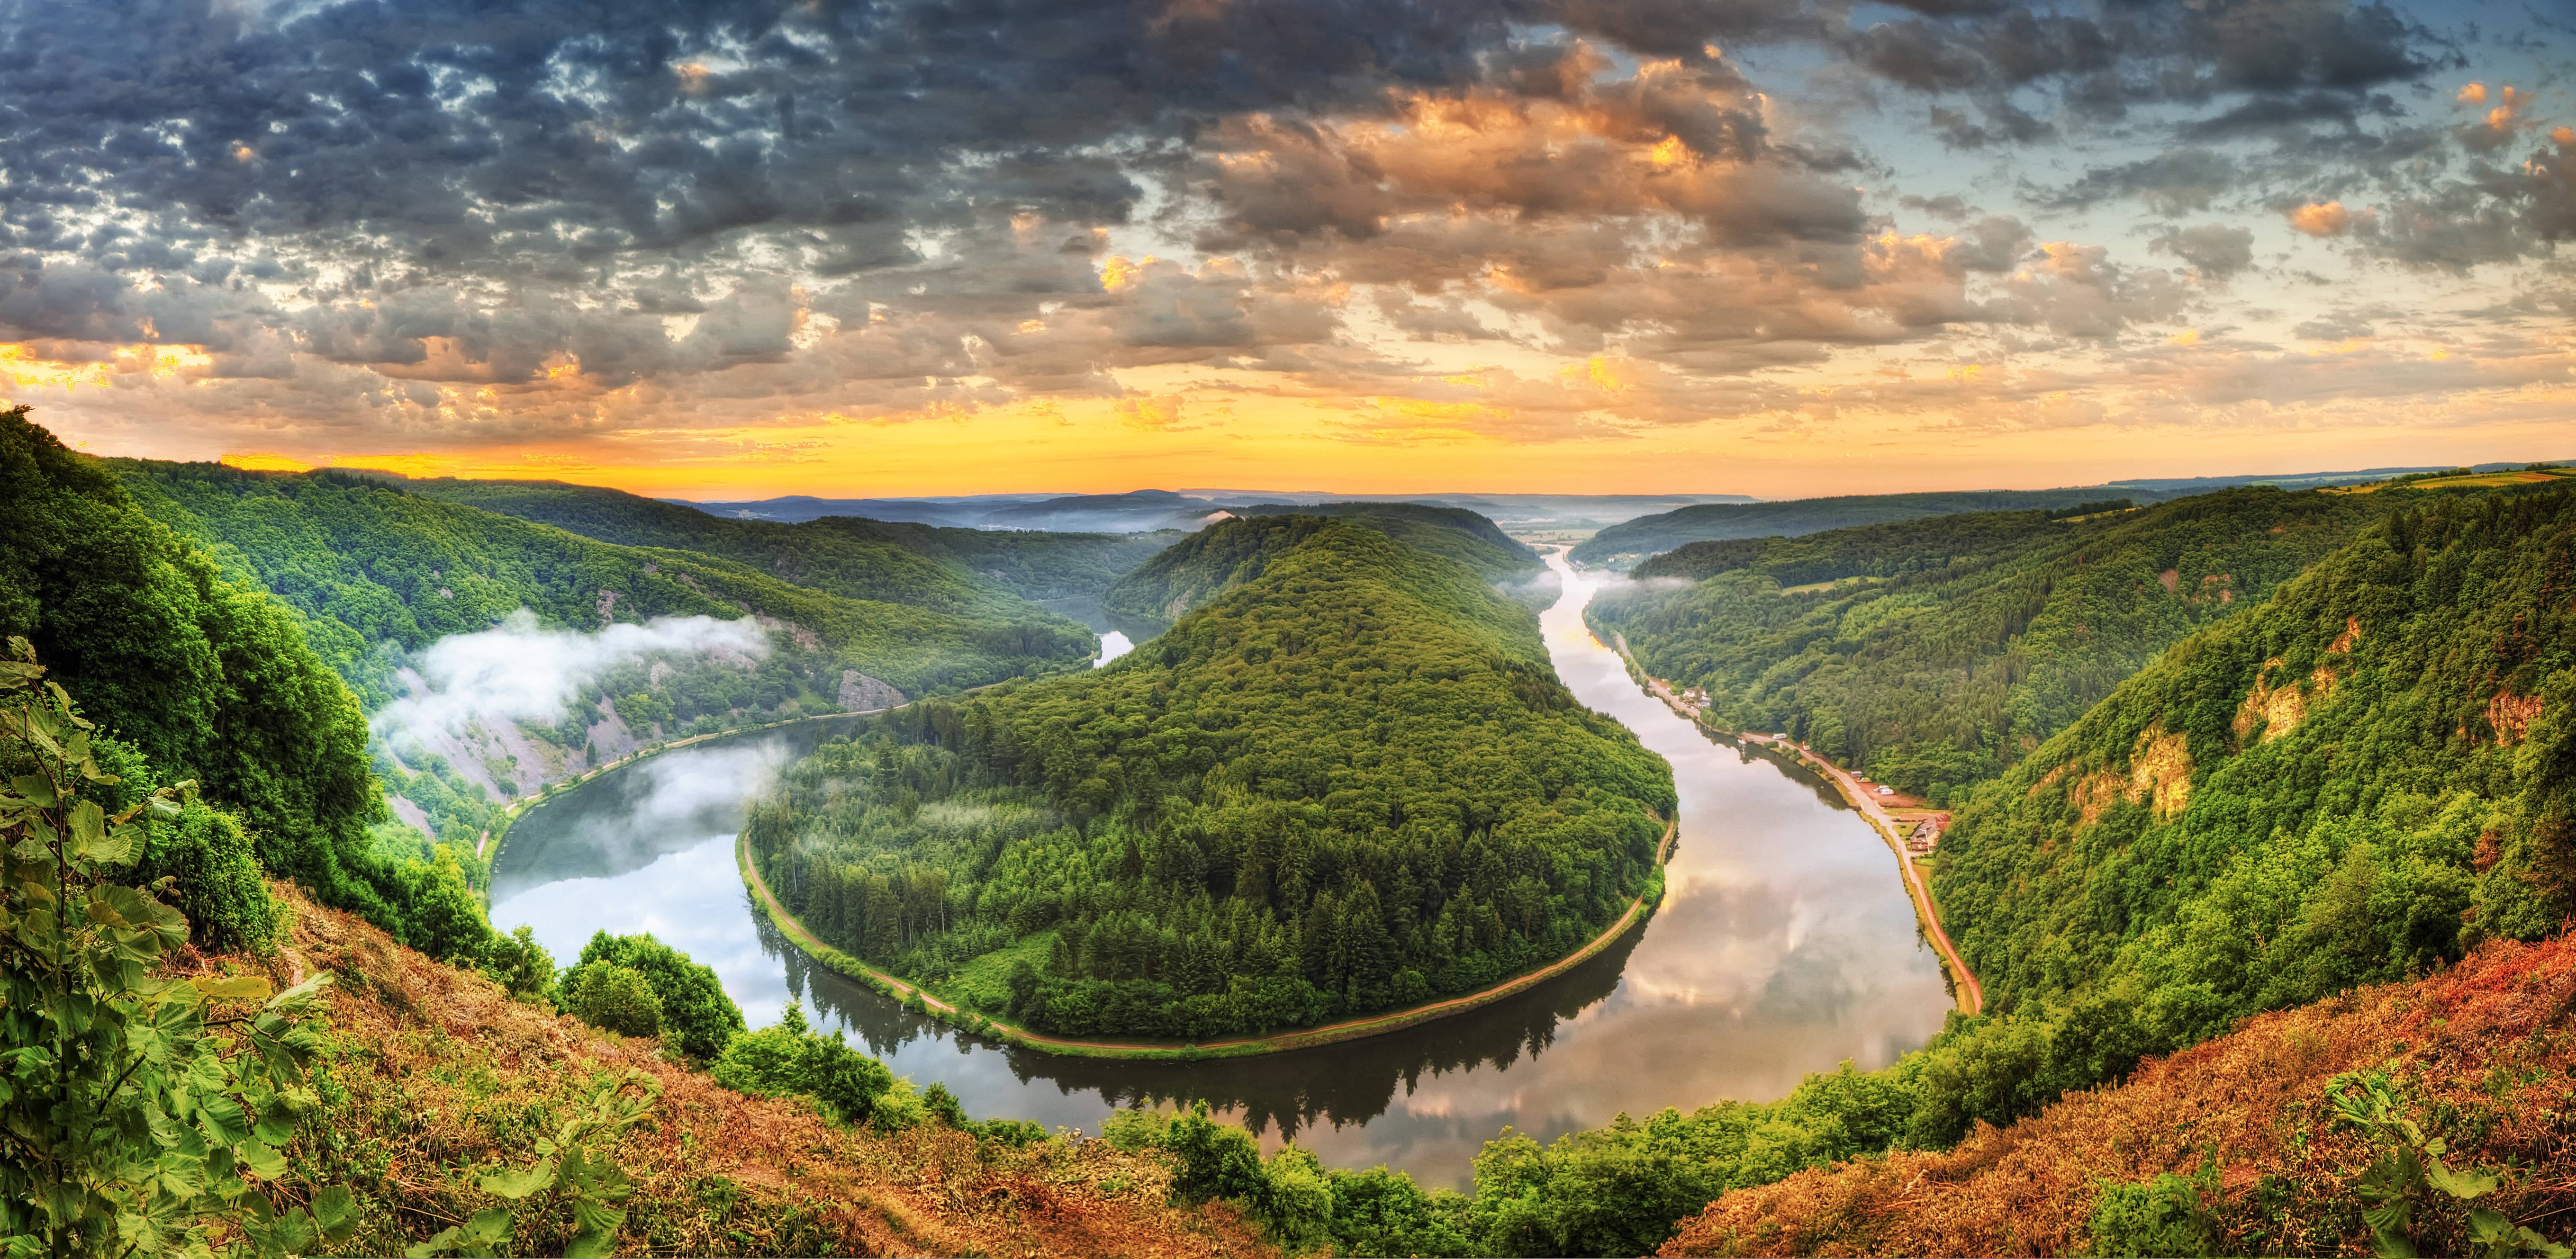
1156,509
1622,546
1455,532
1141,511
855,557
796,508
1934,653
1211,562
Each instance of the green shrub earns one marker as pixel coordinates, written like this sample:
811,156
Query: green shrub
790,1059
218,882
621,1000
696,1013
517,962
2163,1216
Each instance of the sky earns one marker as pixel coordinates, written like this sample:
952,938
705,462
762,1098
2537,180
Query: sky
1369,246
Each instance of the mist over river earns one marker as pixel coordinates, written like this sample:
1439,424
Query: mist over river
1784,944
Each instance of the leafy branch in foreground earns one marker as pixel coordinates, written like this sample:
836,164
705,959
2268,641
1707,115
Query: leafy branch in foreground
2410,1167
138,1111
566,1173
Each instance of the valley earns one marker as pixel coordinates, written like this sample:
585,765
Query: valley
1354,894
1780,946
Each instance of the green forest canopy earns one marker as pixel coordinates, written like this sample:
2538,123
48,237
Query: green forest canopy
193,673
1350,782
374,564
1946,648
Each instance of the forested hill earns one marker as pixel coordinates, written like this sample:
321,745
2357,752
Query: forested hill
1226,555
945,568
1625,544
375,564
2347,785
381,575
1951,646
1456,532
1350,781
191,673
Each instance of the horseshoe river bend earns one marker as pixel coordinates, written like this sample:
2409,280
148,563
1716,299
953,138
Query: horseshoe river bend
1784,944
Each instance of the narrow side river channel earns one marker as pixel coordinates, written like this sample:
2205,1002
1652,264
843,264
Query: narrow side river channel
1784,945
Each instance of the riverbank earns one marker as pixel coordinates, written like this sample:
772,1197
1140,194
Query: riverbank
1927,913
498,837
913,996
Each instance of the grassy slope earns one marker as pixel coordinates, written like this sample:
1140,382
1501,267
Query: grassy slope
2484,1053
1622,544
373,564
1980,634
1213,561
436,1078
843,555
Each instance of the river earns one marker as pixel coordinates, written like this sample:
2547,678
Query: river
1784,945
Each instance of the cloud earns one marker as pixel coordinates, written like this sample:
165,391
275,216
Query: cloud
2214,250
2174,182
432,225
2321,218
519,671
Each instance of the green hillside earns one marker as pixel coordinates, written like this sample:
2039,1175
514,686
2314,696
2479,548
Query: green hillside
2348,785
924,565
1935,653
1207,563
381,574
1622,545
1455,532
194,674
1348,781
376,564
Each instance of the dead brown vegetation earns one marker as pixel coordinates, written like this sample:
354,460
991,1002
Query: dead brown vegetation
2484,1053
436,1077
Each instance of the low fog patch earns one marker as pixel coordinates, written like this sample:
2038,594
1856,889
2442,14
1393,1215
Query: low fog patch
519,671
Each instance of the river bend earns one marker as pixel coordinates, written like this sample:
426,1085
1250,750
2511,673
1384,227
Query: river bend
1784,945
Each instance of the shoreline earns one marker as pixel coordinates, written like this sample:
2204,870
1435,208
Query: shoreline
498,837
849,967
1969,995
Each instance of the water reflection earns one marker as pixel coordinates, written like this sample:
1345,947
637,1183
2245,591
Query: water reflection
1784,944
1112,645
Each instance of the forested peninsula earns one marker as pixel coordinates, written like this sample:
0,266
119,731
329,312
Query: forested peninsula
1349,781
